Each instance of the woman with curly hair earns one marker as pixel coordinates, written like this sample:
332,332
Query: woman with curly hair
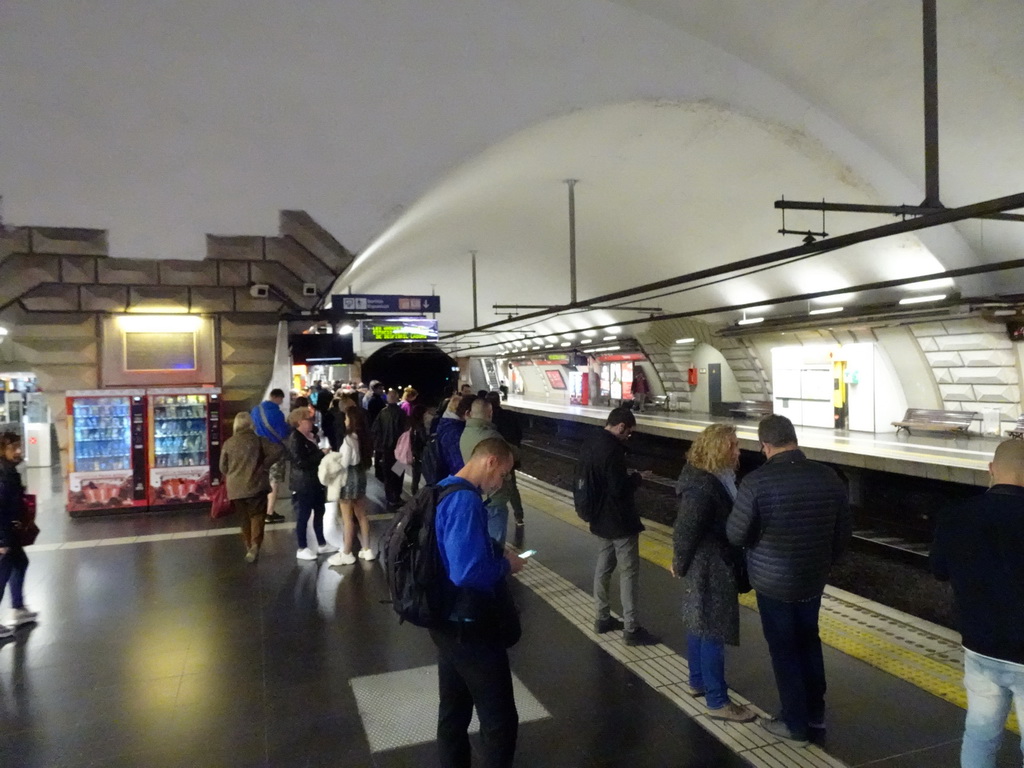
706,563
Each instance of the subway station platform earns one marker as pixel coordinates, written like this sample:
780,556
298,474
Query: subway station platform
937,457
158,646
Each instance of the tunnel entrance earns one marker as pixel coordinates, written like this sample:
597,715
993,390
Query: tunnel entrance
421,365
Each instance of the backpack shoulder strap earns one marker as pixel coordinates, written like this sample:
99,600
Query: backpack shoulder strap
459,485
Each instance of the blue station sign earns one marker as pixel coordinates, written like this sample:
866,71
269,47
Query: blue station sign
368,302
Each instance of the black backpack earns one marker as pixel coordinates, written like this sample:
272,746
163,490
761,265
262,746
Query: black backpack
583,490
412,561
432,464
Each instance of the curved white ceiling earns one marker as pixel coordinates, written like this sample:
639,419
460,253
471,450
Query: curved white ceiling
420,129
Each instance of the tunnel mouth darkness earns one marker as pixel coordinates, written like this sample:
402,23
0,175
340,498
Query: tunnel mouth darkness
421,365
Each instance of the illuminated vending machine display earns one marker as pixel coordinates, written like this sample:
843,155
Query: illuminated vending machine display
107,451
184,445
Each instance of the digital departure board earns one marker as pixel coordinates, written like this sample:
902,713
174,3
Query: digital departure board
400,330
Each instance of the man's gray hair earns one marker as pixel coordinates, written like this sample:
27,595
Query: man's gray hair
480,409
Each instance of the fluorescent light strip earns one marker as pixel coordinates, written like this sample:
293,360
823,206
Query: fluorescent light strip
750,321
826,310
685,341
923,299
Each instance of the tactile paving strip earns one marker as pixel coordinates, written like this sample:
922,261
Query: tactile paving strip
904,646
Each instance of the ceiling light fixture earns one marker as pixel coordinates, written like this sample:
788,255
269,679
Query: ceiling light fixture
923,299
609,338
750,321
826,310
685,341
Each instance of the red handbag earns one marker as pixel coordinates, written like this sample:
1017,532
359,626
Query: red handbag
220,504
26,529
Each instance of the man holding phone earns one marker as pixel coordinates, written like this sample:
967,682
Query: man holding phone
604,498
472,657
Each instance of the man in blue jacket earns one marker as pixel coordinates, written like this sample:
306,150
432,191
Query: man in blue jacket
268,420
979,549
793,517
472,660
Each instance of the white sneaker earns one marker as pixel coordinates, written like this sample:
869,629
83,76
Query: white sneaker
21,616
325,549
341,558
306,554
6,632
367,554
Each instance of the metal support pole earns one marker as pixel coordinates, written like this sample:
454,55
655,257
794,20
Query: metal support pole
931,106
571,183
475,321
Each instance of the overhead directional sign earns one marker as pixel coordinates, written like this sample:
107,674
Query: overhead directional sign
368,302
409,329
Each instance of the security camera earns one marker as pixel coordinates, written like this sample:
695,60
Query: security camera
259,290
309,289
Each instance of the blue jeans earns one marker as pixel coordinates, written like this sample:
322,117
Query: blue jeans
12,571
990,685
791,630
304,505
707,669
497,522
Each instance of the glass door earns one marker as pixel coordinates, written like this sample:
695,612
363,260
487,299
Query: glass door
180,434
102,436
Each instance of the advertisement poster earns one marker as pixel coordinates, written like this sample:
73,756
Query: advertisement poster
627,381
179,485
555,378
100,490
606,380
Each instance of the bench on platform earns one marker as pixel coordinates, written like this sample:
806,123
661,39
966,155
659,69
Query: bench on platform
928,420
1018,429
752,409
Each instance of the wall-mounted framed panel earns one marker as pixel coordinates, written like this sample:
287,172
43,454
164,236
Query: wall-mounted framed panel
158,350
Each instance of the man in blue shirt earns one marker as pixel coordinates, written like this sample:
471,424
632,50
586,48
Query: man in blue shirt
472,663
979,549
268,420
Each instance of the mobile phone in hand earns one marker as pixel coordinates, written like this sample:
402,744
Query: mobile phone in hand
527,553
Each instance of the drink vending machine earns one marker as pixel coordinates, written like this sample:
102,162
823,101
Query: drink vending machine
107,451
184,444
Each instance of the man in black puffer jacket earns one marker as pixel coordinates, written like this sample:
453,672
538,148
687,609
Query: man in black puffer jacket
793,516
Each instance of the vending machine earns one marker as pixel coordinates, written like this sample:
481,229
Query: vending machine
184,445
107,451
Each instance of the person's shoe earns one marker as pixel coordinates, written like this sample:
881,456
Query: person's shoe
325,549
779,729
640,636
21,616
367,554
609,624
6,632
273,518
689,690
733,712
250,555
341,558
306,554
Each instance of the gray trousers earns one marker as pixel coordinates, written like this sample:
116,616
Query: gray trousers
625,551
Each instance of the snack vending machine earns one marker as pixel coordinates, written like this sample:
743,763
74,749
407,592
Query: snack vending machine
184,445
107,451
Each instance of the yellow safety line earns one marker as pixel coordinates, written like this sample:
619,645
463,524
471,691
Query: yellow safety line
935,677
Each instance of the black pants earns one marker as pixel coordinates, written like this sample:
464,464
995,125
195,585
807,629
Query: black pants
392,482
474,672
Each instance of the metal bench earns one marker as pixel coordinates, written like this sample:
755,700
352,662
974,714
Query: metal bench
752,409
1018,429
925,419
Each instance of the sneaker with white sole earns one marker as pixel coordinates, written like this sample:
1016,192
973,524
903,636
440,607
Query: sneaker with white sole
306,554
6,632
779,729
21,616
341,558
367,554
325,549
733,712
252,554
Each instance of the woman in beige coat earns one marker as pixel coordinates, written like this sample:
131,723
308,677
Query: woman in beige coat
245,461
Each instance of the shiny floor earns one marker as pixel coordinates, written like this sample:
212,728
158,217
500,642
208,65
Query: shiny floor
159,646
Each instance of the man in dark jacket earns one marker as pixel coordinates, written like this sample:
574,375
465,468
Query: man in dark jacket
793,516
507,423
979,548
387,428
608,487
